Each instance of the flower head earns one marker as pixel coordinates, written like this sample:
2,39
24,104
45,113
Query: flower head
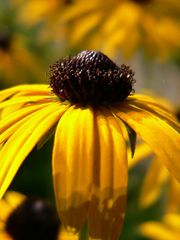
89,164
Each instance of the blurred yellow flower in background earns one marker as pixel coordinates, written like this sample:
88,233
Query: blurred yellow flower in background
27,218
124,26
167,229
88,107
44,15
7,205
19,61
40,10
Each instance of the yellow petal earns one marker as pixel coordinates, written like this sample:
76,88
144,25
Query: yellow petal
156,176
19,145
73,156
26,88
158,231
107,207
13,118
173,221
27,99
156,108
83,27
5,236
5,210
157,133
14,199
77,10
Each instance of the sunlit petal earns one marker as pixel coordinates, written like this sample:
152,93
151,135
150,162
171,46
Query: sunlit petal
161,137
28,99
158,110
72,166
14,117
23,140
4,94
108,202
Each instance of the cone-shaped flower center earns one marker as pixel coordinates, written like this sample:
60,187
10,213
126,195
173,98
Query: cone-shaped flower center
33,219
90,78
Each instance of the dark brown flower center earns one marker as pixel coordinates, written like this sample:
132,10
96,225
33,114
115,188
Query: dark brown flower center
90,78
33,219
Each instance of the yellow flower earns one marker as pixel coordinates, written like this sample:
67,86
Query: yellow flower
168,229
7,205
124,26
27,218
17,63
88,107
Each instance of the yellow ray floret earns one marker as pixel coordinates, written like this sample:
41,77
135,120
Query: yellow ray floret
89,152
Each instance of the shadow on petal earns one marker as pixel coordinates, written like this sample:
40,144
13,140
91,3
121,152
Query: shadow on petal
106,214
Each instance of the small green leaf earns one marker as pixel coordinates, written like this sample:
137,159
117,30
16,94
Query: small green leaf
132,138
83,235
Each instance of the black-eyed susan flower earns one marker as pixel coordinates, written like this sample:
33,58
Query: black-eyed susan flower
89,104
124,26
168,228
27,218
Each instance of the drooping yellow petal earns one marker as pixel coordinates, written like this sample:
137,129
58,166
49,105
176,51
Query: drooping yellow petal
19,145
157,133
156,176
73,156
27,99
107,208
4,94
14,117
84,27
77,10
157,109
